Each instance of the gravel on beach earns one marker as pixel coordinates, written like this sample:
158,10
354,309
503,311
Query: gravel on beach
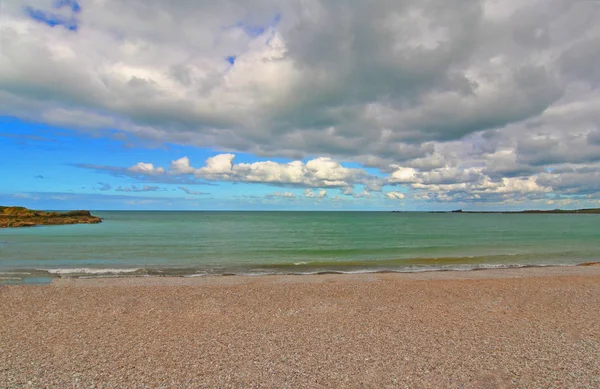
515,328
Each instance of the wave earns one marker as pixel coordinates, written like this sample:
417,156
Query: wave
257,271
87,270
308,268
423,269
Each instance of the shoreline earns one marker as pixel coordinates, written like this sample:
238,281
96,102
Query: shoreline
496,328
48,276
584,269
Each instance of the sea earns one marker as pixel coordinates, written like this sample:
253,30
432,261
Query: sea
198,243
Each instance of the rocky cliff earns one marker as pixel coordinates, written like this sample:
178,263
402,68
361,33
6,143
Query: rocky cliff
23,217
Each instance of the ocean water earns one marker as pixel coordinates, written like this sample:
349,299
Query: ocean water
201,243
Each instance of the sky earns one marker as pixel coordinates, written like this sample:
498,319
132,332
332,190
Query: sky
300,104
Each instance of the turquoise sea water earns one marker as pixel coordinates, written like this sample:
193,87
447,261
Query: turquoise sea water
200,243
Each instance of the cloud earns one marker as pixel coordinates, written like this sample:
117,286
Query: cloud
445,184
454,100
316,173
59,200
506,190
347,191
365,194
394,195
284,195
133,188
320,195
146,169
332,78
104,186
23,196
143,172
573,181
53,19
471,184
26,137
191,192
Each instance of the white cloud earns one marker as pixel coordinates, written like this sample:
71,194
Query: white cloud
451,184
316,173
146,168
284,195
455,100
310,194
347,191
219,166
181,166
365,194
395,195
403,175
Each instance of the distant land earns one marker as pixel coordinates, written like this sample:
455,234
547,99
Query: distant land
23,217
585,210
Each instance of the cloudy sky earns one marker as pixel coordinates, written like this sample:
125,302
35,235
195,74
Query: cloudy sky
300,104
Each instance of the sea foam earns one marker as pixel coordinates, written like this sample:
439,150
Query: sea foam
89,271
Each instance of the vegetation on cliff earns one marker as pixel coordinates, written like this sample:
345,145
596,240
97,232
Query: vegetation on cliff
23,217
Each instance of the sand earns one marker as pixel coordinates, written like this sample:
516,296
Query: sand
516,328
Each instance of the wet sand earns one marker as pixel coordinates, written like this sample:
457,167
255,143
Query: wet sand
521,328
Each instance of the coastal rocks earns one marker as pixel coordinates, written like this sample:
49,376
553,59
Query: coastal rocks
23,217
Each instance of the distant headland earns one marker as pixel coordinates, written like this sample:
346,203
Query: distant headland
585,210
23,217
528,211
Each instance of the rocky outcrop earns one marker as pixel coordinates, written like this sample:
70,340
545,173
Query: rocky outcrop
23,217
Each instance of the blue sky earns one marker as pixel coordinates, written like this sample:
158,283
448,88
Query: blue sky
49,175
300,106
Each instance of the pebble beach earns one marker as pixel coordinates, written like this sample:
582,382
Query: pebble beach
509,328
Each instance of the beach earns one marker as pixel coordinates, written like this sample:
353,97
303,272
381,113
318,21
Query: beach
497,328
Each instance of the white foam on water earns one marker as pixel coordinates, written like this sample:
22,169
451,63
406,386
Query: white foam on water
112,276
86,270
128,272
